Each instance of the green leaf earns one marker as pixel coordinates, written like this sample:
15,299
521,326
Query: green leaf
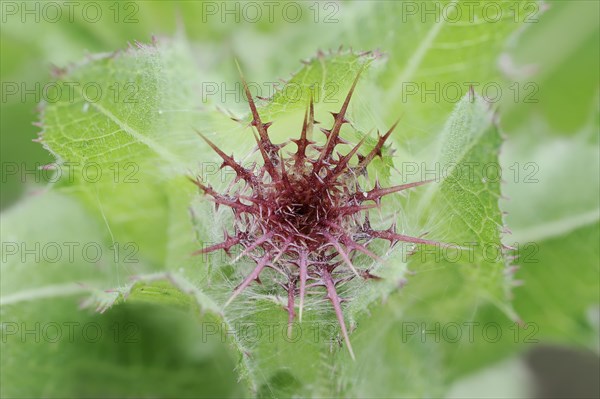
465,205
44,281
75,259
433,60
129,351
555,245
552,271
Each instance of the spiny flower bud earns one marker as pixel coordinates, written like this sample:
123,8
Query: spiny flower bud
305,215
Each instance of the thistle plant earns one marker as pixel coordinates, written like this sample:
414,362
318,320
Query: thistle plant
304,214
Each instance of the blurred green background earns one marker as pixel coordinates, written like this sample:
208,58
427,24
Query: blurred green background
560,54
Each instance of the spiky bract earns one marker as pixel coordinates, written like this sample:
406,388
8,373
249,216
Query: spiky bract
305,215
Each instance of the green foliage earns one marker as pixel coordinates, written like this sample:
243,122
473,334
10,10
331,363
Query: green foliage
147,219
